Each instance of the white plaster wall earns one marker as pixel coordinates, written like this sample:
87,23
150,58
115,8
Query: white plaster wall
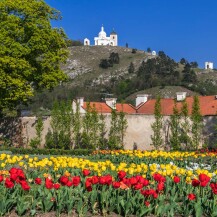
210,64
139,130
114,38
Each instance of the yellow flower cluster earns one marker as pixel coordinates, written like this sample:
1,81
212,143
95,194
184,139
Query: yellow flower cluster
157,154
101,167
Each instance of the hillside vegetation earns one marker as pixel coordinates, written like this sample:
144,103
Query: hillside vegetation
135,72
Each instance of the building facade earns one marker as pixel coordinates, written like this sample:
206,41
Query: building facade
103,40
139,118
209,65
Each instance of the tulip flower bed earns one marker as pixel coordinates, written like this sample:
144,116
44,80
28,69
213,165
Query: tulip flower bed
31,185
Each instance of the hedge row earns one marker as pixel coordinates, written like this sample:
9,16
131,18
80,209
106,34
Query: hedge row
46,151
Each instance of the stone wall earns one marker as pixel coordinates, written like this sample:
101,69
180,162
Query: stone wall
138,134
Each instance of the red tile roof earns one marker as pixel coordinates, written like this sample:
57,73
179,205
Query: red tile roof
102,107
208,106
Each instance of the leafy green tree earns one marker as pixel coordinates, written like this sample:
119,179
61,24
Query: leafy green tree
175,129
102,132
197,123
185,138
76,127
31,50
91,131
117,131
36,142
157,126
122,126
61,119
131,68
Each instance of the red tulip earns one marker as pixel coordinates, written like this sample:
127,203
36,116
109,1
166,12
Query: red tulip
86,172
159,178
133,180
147,203
195,182
38,181
69,183
95,180
63,180
25,186
116,184
160,186
9,183
176,179
121,174
138,186
76,180
56,186
191,196
48,183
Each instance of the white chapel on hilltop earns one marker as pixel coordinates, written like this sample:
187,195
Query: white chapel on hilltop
103,40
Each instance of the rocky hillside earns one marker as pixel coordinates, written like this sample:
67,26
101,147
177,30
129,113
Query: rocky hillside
94,83
83,64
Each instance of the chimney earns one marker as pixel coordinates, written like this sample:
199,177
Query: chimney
80,101
180,96
111,102
141,98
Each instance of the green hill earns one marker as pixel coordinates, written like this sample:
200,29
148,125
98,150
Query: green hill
151,74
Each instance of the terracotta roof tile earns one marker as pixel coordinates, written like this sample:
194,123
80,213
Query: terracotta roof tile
102,107
208,106
127,108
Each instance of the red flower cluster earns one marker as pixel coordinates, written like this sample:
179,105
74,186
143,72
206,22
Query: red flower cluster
213,187
16,176
149,192
102,180
203,181
159,178
64,181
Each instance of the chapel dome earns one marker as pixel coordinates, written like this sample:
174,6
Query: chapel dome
102,34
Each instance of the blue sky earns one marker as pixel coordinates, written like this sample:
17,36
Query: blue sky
181,28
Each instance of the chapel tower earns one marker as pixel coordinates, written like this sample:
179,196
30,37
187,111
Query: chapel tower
114,38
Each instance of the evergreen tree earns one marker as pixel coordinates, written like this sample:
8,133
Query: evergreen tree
149,50
189,75
131,68
157,126
197,123
175,129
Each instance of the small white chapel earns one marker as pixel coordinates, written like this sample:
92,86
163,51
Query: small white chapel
103,40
